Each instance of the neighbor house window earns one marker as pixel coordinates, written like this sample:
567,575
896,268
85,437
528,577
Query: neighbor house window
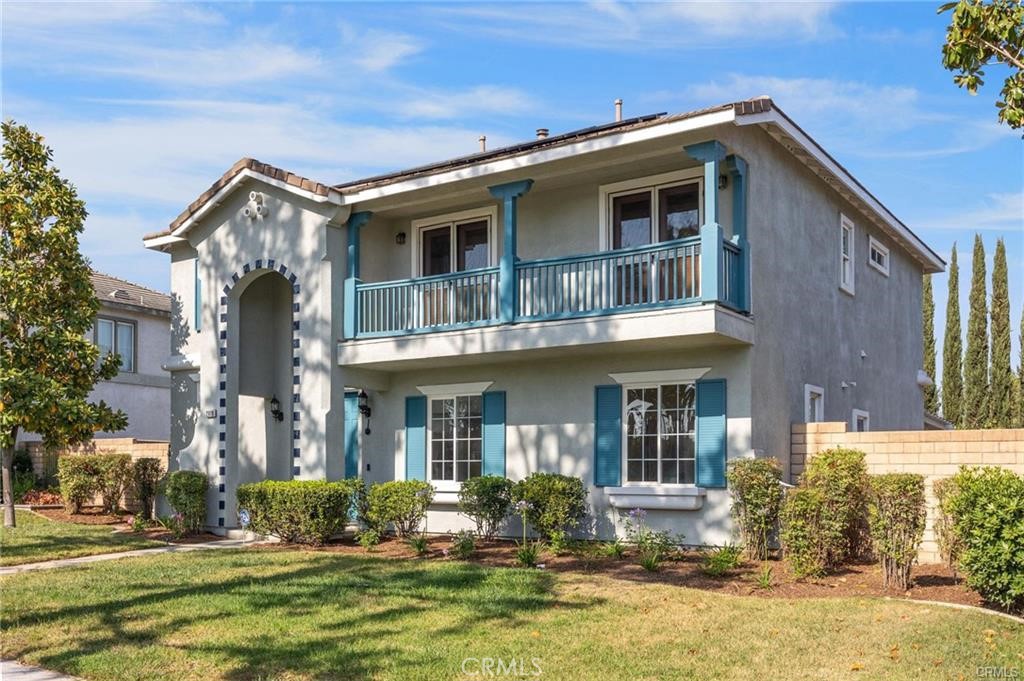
878,256
454,243
455,437
846,240
814,403
659,424
861,421
116,336
653,214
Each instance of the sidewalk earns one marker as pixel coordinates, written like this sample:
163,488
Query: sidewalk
16,671
171,548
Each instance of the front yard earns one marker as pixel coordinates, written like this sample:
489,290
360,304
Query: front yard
295,614
37,539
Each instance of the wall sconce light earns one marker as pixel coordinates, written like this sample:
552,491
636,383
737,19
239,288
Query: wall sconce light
723,181
400,238
275,409
364,409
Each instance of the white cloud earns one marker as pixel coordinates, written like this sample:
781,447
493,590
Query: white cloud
1001,212
486,99
383,50
27,15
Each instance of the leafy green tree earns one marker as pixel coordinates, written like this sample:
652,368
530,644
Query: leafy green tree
931,395
975,407
1019,394
1002,409
952,350
981,34
48,365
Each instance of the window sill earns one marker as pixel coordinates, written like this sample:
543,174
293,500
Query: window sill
657,497
446,493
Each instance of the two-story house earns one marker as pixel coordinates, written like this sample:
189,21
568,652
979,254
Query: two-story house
634,304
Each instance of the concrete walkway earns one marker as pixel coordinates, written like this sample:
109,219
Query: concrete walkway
16,671
170,548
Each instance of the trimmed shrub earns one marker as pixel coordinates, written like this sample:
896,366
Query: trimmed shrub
298,511
78,476
401,504
114,472
945,536
756,502
802,531
22,484
463,545
186,493
841,476
146,474
486,501
557,503
896,514
987,508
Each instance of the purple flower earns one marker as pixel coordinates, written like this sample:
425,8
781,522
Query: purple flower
638,514
522,506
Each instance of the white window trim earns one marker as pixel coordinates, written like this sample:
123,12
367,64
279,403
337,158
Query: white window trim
446,390
114,321
489,213
623,443
607,192
856,414
449,485
814,389
876,245
844,224
635,378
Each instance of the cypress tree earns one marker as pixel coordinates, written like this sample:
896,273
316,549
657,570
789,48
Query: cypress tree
952,350
1002,409
1019,396
975,405
931,395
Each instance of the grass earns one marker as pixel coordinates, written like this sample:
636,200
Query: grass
290,614
37,539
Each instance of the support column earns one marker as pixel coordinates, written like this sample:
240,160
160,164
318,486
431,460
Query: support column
711,153
351,315
737,168
509,193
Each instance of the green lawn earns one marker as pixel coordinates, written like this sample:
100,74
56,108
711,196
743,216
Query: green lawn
289,614
37,538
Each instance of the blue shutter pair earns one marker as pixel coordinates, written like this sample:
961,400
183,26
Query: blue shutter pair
711,435
493,435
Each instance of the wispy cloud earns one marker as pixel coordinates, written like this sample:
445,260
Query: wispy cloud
483,99
1002,212
380,50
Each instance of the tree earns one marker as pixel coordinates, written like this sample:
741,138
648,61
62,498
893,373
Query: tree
952,350
1002,408
47,364
1019,394
980,34
931,395
975,406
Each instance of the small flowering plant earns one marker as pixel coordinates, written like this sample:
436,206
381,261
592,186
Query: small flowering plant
175,524
652,546
527,552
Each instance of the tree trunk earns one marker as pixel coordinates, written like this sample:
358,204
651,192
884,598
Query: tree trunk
8,479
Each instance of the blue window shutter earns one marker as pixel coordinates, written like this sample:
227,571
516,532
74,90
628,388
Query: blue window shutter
351,435
711,436
416,437
607,435
494,433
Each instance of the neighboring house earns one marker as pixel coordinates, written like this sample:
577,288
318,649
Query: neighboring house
633,304
134,322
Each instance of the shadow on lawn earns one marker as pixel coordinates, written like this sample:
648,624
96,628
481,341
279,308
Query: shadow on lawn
333,617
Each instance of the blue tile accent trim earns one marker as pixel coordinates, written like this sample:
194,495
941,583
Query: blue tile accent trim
220,505
220,522
295,470
296,453
221,487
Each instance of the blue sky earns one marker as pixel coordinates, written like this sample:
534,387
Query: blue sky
146,104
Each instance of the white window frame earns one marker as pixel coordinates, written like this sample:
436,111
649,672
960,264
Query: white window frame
876,245
115,322
452,220
624,442
860,414
432,396
809,390
652,183
846,224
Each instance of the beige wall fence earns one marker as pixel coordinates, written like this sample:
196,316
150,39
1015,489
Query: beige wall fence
44,460
934,454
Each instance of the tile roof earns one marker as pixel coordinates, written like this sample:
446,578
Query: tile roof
113,290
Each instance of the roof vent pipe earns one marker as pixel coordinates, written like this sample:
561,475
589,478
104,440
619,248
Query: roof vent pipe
483,142
618,110
542,133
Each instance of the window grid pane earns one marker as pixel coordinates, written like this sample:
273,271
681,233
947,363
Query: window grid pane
126,345
660,426
456,444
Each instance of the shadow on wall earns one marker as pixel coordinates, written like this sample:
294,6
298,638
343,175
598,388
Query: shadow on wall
185,406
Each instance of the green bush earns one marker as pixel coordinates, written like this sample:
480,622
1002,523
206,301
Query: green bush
402,504
298,511
186,493
146,475
841,476
945,536
802,531
557,503
22,462
115,471
22,484
987,509
79,478
463,545
756,502
897,512
486,501
652,546
723,559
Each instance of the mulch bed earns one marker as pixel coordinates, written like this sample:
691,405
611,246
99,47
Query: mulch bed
930,582
93,515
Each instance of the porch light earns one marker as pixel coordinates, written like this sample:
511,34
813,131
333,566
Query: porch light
400,238
364,409
275,409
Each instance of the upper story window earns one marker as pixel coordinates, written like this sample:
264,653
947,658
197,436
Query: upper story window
116,336
454,243
651,210
814,403
846,243
659,427
878,256
456,438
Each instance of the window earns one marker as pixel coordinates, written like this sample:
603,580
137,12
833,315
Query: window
654,214
861,421
659,426
814,403
455,437
878,256
846,240
453,243
116,336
